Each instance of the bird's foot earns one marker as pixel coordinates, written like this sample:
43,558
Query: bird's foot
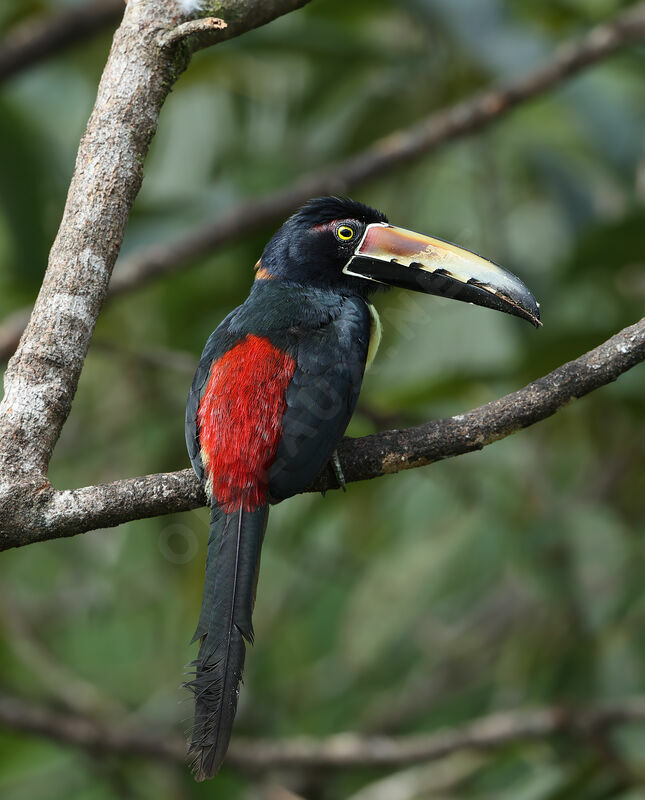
338,470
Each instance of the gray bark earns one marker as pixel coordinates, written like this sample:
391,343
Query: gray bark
150,49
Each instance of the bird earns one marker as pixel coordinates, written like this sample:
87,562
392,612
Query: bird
274,392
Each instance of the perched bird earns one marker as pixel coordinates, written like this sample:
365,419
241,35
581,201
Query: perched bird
274,392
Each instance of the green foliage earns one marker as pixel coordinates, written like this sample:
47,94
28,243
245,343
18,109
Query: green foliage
508,578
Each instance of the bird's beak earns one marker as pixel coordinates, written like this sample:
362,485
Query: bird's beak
397,257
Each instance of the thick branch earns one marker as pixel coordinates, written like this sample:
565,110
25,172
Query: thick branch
343,751
394,451
41,378
56,514
383,155
35,40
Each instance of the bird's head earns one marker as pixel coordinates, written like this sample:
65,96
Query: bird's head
342,244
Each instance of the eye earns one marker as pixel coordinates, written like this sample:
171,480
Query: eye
345,233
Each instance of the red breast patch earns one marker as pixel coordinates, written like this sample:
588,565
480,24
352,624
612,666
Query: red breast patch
240,421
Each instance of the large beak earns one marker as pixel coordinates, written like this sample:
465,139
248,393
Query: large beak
402,258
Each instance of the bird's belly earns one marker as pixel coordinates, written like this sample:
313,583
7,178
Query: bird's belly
240,421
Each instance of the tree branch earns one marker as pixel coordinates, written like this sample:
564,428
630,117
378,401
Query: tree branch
342,751
57,514
386,153
42,376
34,40
383,155
199,32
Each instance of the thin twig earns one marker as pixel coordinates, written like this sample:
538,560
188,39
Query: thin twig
439,780
36,39
342,751
382,156
386,153
161,358
200,32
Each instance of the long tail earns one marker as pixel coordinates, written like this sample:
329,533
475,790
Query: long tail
232,566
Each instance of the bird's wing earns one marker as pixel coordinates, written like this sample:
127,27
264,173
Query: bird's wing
219,342
321,397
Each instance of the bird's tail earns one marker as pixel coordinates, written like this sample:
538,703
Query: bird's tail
232,566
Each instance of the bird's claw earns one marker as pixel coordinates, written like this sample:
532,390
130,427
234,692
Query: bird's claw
338,470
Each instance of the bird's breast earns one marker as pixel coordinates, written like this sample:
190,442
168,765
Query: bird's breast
240,421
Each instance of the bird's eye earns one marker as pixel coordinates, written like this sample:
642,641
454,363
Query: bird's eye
345,233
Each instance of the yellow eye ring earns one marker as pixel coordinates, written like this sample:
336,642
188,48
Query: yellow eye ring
345,233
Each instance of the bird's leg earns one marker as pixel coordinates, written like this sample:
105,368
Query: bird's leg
338,470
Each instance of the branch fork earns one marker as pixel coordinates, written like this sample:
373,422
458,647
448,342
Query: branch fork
42,376
198,33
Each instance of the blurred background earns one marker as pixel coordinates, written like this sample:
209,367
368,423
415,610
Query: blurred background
509,578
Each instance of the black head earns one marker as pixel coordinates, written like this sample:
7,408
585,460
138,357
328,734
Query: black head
336,243
314,245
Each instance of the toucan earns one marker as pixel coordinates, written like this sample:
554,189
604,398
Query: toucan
273,394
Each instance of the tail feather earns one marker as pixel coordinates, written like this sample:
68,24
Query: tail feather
232,566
